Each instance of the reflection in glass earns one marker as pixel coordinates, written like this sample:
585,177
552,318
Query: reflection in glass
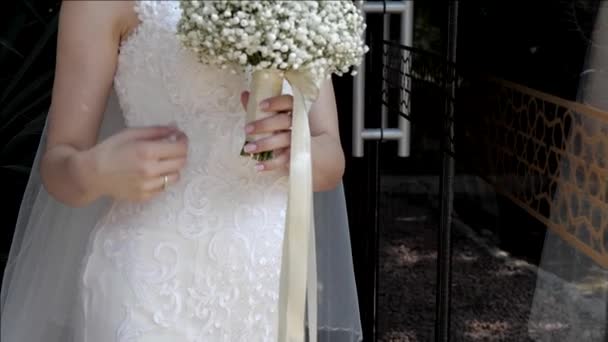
570,299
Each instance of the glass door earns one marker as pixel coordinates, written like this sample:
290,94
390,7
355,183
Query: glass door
490,225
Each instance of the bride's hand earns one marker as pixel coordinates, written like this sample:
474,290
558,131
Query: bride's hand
132,164
279,125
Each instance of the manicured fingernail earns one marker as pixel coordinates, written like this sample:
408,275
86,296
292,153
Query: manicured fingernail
248,128
249,148
264,104
259,167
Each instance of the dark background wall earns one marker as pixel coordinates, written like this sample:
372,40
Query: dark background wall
27,55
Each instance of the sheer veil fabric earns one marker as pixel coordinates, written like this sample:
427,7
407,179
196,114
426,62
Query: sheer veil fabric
562,308
39,301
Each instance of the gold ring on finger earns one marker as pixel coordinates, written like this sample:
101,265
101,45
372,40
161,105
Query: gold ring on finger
165,182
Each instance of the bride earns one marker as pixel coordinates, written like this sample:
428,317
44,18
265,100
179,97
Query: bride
141,221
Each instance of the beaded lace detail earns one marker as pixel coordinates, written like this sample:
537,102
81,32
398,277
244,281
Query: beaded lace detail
201,261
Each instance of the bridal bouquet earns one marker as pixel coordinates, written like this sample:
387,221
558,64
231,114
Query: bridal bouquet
268,38
303,42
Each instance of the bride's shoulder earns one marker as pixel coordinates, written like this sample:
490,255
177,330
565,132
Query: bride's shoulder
119,14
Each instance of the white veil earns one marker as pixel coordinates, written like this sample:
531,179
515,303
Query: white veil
571,296
39,289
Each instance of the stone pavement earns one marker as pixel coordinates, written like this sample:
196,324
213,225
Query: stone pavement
491,292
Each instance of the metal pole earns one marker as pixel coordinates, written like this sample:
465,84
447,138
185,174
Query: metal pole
359,103
386,35
396,7
444,257
358,110
382,134
403,149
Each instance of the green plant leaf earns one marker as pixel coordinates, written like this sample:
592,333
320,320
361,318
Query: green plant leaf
33,128
30,23
25,170
50,30
26,110
33,10
25,95
7,45
11,31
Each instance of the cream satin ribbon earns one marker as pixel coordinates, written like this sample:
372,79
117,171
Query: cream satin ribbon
298,282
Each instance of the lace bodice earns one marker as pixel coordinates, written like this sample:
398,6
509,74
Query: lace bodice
159,82
202,260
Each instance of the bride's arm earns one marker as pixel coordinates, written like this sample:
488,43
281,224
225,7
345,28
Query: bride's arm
326,149
87,48
74,169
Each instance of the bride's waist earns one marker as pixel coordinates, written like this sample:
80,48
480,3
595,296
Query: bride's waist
208,199
206,126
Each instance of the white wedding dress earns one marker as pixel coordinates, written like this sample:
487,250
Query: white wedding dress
200,262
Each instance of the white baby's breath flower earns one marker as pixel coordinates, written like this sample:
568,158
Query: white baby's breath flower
318,35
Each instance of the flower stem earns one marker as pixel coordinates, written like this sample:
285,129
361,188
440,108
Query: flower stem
261,156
